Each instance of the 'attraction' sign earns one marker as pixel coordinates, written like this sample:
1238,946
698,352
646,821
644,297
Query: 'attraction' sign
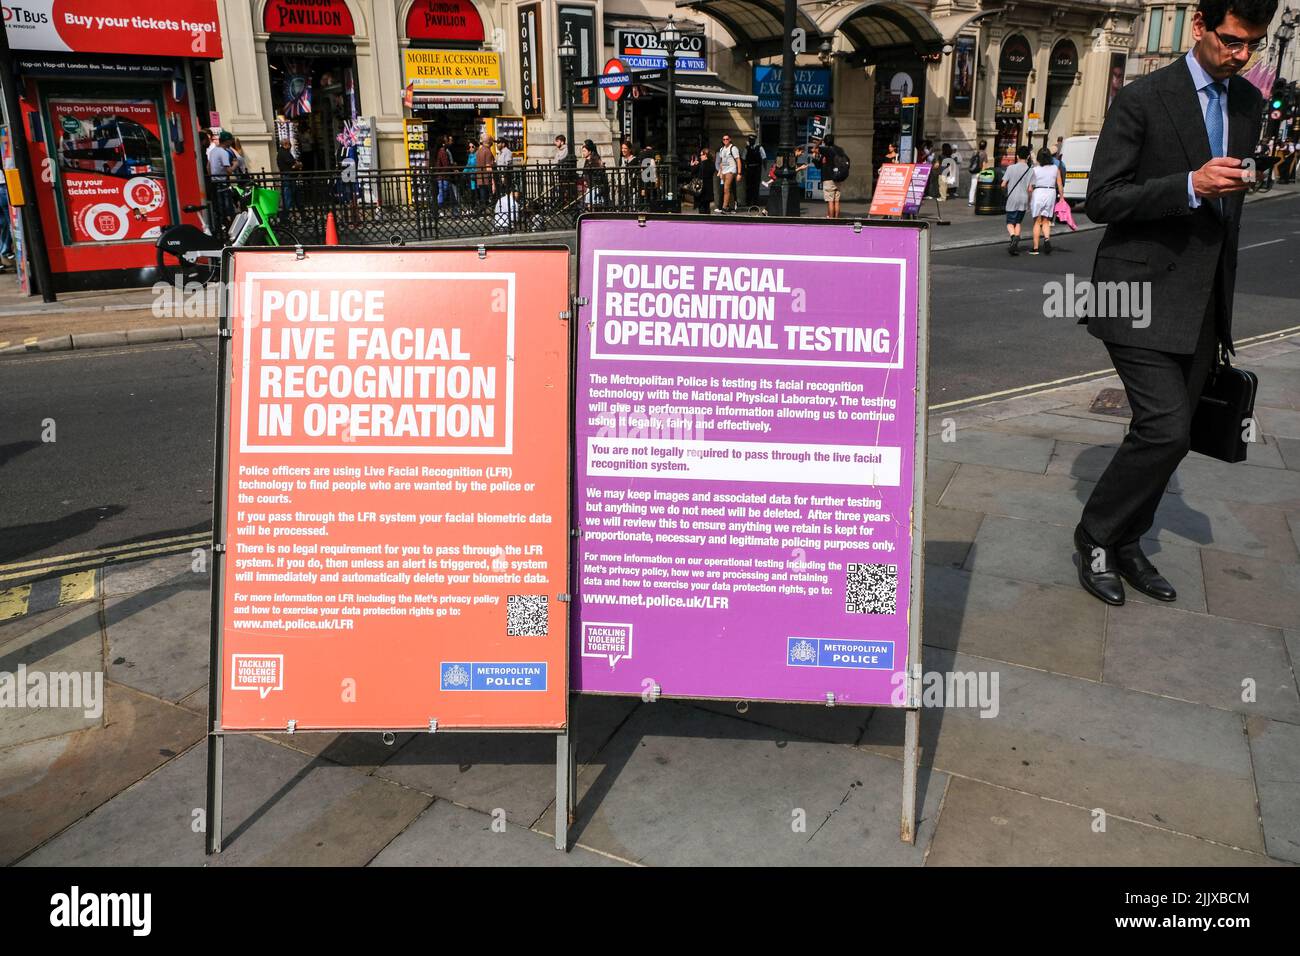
393,491
746,477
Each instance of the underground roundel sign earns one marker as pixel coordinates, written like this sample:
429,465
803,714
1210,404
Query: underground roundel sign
615,65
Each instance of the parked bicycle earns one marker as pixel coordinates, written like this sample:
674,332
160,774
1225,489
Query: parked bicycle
190,254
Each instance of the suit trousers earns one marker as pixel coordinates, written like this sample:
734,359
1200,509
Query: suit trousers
1163,390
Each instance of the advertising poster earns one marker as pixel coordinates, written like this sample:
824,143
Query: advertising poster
745,458
395,501
893,186
962,86
112,169
916,188
186,28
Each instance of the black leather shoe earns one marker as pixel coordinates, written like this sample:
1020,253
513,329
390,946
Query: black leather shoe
1105,583
1134,567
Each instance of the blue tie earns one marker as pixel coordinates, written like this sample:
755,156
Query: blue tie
1214,119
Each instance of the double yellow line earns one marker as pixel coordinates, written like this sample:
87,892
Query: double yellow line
97,557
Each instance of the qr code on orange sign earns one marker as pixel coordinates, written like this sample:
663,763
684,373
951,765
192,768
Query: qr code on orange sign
526,615
871,589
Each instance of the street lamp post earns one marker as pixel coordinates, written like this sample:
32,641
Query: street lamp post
568,53
670,38
783,197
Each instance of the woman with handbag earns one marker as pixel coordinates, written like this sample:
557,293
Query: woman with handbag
701,166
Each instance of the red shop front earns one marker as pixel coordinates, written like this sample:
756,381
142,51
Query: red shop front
113,136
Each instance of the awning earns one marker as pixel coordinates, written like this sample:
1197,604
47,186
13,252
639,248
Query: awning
756,26
703,89
457,101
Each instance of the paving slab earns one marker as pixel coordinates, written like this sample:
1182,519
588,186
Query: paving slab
1033,551
197,702
158,639
1282,422
448,835
1278,388
15,628
949,534
1064,428
1292,640
1054,499
512,772
1247,481
174,570
989,826
61,655
1162,650
679,786
1275,747
281,807
1207,521
1060,629
51,784
1252,589
1289,448
1168,763
983,446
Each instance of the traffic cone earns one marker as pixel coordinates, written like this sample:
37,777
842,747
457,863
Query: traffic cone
331,231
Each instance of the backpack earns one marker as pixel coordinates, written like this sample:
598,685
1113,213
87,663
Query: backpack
838,167
974,166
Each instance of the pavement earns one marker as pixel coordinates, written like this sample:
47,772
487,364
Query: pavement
1149,734
131,316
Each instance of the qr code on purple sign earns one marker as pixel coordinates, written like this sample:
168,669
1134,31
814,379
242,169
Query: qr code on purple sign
526,615
871,589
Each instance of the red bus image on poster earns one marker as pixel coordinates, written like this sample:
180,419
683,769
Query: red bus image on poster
112,169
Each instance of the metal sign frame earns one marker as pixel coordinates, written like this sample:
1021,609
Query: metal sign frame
565,772
916,604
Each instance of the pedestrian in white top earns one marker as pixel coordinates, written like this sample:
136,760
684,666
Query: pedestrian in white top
1044,186
727,162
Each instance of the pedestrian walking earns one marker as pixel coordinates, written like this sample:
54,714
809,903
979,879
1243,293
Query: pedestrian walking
727,162
701,167
979,161
1015,183
1044,186
751,171
833,163
593,171
1166,179
948,172
288,165
484,169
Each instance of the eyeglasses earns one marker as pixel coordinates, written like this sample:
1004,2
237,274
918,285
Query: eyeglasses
1237,46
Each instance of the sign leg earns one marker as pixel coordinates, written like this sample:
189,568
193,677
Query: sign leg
563,760
911,746
212,820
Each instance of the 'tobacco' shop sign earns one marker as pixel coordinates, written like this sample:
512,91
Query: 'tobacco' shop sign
176,28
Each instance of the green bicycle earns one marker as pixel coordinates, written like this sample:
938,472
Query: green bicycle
188,254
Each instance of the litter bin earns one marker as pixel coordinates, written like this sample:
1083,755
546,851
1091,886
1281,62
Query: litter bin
989,200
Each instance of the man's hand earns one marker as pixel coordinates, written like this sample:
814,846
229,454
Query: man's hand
1221,176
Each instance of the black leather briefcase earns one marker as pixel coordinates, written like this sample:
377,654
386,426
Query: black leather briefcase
1224,416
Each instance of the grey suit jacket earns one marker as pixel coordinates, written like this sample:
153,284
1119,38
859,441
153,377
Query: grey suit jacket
1154,134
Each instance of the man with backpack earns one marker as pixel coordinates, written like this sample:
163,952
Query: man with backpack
834,165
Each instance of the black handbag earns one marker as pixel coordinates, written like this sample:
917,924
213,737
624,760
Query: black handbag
1225,413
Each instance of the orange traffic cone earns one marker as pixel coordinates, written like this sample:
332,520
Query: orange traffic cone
331,231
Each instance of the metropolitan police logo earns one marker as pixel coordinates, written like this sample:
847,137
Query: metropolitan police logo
455,676
803,652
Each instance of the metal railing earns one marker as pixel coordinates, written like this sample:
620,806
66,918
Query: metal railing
410,205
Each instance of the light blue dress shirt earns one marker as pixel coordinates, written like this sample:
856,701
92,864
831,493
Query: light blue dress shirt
1202,80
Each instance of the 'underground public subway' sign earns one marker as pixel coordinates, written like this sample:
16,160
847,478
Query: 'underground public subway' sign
746,471
393,491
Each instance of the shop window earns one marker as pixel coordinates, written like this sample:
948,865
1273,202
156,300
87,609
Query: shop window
1155,23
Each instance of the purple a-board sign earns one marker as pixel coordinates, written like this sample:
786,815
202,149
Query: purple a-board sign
748,458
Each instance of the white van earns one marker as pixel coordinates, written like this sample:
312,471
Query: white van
1076,153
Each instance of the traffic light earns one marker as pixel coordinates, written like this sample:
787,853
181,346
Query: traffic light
1279,95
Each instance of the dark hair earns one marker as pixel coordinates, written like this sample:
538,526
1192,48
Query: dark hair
947,149
1256,12
829,140
1044,156
590,146
562,138
983,143
1022,152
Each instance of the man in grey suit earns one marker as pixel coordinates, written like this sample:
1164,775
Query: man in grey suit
1167,179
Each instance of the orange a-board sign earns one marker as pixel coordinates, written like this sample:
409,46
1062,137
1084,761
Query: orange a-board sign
393,499
891,189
